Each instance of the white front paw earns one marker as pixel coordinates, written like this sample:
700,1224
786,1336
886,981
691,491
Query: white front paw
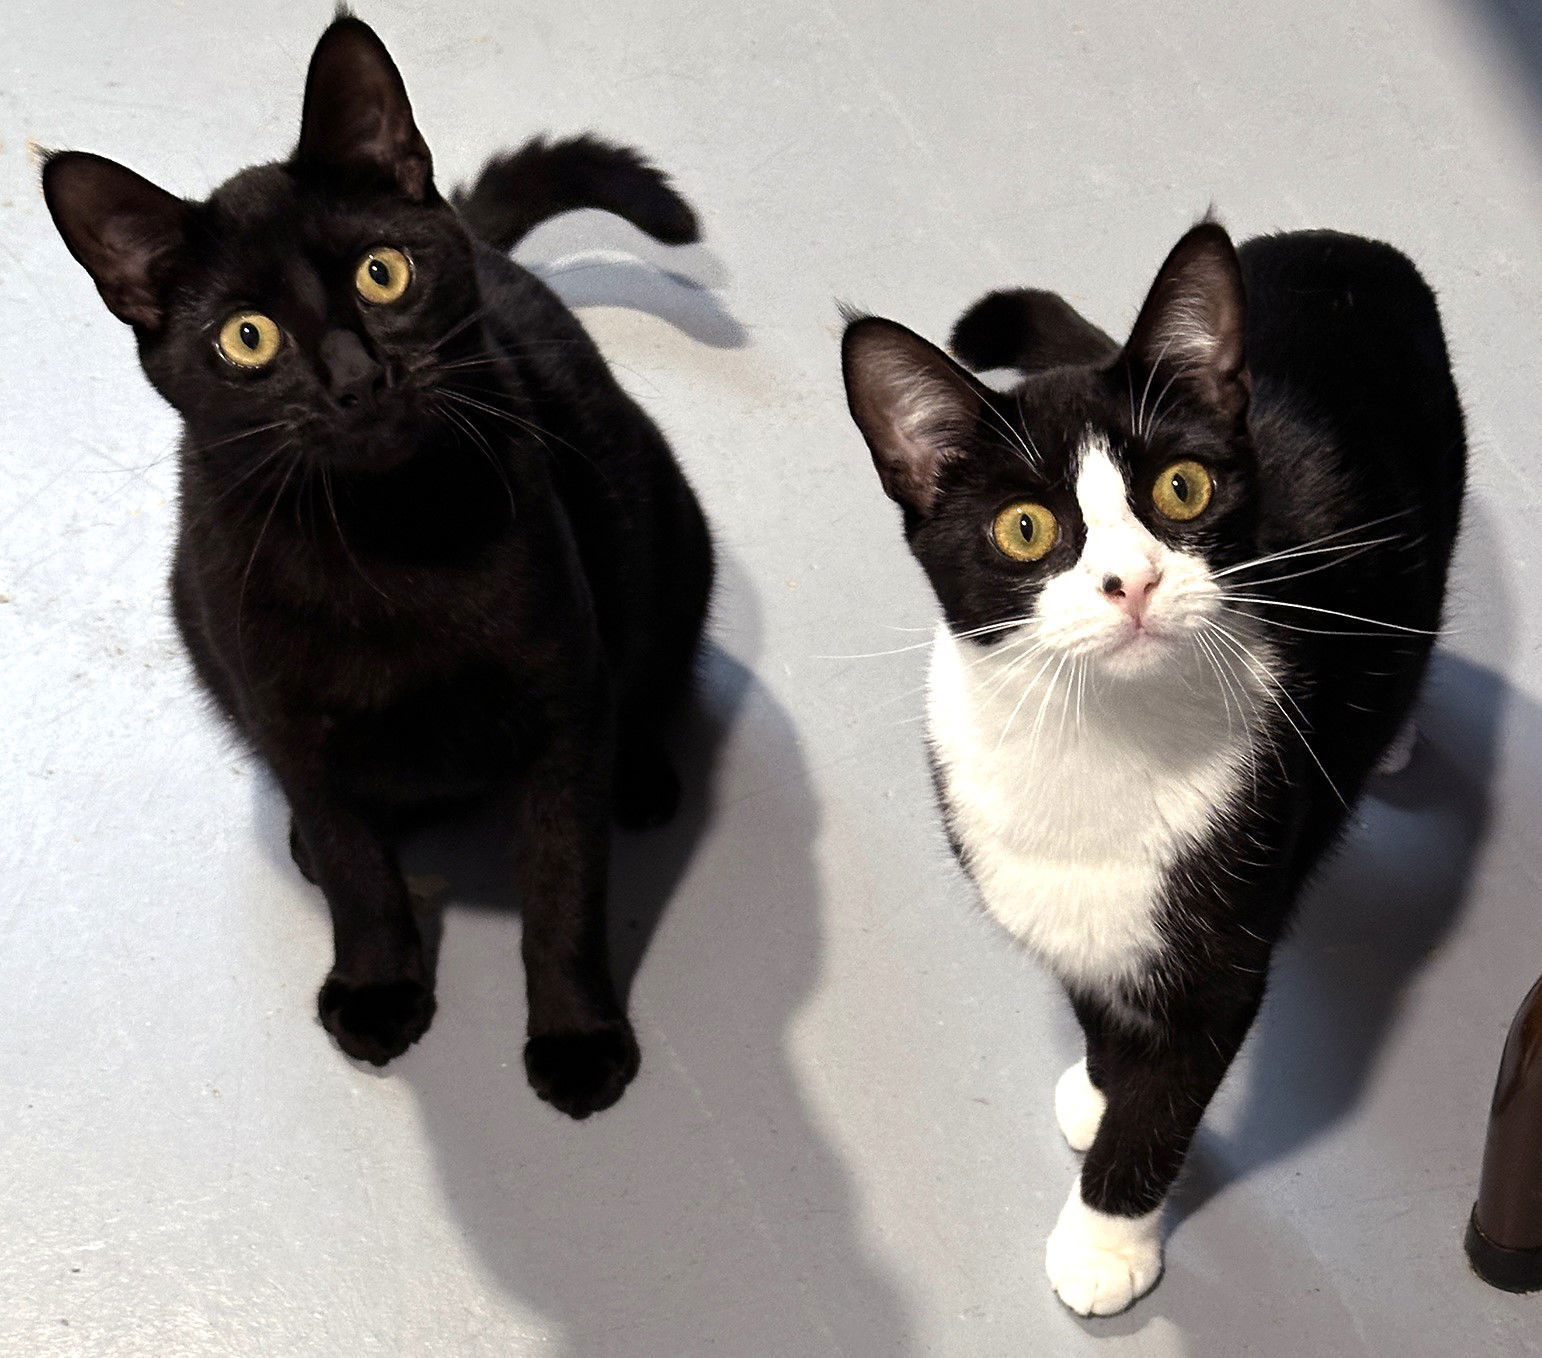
1098,1264
1079,1106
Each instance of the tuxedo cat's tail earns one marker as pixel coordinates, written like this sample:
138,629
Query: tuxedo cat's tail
518,191
1029,330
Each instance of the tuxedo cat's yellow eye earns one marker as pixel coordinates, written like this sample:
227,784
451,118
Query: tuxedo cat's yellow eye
249,339
1025,531
1182,491
383,275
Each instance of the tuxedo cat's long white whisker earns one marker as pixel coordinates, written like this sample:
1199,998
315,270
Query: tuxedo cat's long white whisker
1348,552
1331,613
1270,685
1308,631
1300,553
968,635
1031,649
1204,646
1038,721
1313,545
1022,698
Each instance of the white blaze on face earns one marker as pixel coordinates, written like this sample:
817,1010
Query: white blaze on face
1117,542
1076,614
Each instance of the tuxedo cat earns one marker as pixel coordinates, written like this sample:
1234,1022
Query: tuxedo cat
428,548
1189,588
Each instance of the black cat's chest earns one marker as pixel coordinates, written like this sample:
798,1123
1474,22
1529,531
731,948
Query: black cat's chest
455,735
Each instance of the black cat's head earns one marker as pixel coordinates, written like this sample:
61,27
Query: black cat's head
1093,505
317,300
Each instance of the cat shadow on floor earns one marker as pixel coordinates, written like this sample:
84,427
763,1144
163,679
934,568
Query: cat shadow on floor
706,1212
591,258
1380,907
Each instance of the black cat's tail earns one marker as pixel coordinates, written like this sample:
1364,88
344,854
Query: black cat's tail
1029,330
518,191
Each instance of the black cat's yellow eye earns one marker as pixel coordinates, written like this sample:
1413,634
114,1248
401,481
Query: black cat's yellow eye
249,339
1024,530
1182,491
383,275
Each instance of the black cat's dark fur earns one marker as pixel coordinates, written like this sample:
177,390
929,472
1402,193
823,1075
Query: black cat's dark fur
1330,417
432,549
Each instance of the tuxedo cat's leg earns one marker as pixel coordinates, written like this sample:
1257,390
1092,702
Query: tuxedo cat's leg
1106,1247
581,1053
377,1001
1079,1097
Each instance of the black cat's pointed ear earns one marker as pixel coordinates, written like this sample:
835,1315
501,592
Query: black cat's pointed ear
1191,327
126,232
914,405
357,117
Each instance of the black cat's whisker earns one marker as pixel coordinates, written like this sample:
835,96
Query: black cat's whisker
460,326
342,541
482,446
518,421
246,575
201,448
263,464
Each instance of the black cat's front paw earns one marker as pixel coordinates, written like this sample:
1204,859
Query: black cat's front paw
647,789
581,1073
377,1020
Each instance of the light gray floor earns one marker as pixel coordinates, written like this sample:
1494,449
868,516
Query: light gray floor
841,1141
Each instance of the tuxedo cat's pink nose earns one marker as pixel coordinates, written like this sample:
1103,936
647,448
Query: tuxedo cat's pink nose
1131,592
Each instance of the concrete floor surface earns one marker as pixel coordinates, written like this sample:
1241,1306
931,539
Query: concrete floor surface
841,1141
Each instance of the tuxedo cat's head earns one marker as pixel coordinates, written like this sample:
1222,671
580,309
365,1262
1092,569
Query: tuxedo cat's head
318,300
1094,503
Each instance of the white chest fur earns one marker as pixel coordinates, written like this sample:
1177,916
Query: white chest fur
1072,822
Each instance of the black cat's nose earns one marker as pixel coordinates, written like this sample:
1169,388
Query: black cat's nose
353,375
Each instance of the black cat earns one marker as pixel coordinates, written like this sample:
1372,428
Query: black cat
1190,586
428,548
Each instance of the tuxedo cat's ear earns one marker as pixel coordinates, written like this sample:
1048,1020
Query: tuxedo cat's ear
126,232
1191,326
357,116
914,405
